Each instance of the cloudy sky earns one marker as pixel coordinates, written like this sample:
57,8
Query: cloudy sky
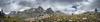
62,5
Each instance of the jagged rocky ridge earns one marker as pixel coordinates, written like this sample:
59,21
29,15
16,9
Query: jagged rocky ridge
33,12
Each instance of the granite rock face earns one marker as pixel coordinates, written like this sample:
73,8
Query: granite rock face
49,11
39,9
33,12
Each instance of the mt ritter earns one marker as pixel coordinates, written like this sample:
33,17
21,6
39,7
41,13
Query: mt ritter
32,12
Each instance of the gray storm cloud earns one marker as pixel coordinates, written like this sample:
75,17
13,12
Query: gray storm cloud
62,5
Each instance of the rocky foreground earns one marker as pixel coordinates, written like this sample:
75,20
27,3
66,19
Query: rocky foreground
86,17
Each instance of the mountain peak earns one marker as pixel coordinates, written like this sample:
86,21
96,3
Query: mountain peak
39,9
49,10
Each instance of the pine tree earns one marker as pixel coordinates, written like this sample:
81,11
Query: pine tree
2,15
96,10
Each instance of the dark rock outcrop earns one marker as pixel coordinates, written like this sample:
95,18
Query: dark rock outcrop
49,11
2,13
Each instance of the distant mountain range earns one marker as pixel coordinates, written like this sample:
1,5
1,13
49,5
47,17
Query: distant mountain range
33,12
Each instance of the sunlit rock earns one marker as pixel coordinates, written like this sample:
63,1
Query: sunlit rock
84,18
